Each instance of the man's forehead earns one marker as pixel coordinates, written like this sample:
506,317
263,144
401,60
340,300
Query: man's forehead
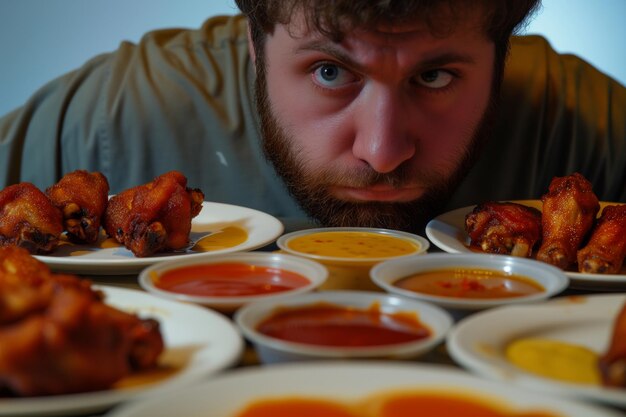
441,24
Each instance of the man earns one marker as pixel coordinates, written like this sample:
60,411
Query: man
372,113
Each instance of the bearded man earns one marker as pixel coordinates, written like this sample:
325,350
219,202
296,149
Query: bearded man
344,112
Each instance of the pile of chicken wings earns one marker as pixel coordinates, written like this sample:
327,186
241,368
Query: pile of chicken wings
567,232
146,219
57,335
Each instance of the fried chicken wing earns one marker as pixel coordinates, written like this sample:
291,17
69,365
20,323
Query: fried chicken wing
606,249
154,217
62,338
23,287
82,198
569,211
28,219
504,228
612,364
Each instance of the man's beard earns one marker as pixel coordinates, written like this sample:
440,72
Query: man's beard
312,193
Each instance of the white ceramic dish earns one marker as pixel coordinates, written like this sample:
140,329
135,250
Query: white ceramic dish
447,232
421,243
478,342
272,350
100,259
552,279
227,394
315,273
351,273
199,342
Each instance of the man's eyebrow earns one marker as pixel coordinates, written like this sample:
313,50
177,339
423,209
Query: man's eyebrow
446,59
331,49
435,61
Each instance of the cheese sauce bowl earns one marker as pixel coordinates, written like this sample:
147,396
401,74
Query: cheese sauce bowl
342,325
463,283
349,253
227,282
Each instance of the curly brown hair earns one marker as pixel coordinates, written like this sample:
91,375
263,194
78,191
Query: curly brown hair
334,18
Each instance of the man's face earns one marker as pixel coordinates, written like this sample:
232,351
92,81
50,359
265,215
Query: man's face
379,129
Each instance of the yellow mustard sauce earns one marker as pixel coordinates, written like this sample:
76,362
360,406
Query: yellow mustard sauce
228,237
358,245
555,360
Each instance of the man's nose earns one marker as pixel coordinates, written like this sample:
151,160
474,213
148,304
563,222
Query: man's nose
382,136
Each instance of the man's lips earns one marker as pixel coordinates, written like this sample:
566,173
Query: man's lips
383,193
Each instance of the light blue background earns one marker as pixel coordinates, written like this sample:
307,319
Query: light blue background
41,39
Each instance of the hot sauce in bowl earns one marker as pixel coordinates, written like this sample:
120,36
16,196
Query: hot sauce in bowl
227,282
327,324
475,283
229,279
463,283
342,324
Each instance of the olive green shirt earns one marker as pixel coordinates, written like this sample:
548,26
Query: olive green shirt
183,99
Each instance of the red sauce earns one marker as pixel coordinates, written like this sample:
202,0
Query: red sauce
229,279
332,325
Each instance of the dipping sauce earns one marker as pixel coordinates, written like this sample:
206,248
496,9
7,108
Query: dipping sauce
404,404
357,245
230,279
555,359
470,283
327,324
296,407
228,237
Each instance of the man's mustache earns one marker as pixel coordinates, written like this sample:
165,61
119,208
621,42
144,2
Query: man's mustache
367,177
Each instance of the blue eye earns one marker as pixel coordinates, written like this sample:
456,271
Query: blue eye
332,76
435,78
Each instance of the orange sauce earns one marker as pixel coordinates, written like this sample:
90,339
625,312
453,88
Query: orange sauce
470,283
327,324
440,405
229,279
225,238
146,377
408,404
296,407
354,245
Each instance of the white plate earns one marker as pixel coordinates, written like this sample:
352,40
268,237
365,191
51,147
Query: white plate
261,228
193,355
447,232
228,393
478,342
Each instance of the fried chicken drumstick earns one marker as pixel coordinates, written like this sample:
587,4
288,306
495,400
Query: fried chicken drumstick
612,364
606,249
82,198
569,211
504,228
28,219
154,217
57,336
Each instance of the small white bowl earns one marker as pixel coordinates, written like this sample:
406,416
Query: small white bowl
272,350
552,279
315,273
351,272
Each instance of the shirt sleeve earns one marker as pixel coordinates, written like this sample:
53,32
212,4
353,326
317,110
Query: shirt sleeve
558,115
